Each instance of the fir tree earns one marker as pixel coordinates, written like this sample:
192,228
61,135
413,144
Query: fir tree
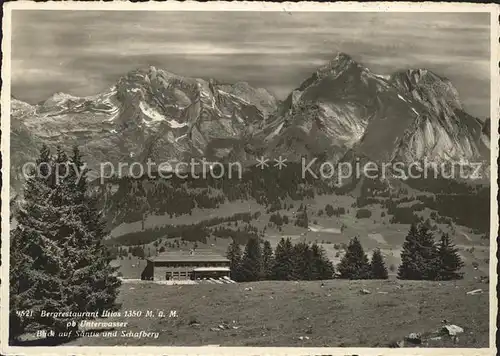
419,255
234,256
282,268
322,267
302,219
354,264
251,263
267,260
302,262
378,268
329,210
35,261
96,279
449,260
58,260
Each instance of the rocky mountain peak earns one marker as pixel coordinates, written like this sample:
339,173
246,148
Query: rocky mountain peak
410,115
426,87
59,98
338,65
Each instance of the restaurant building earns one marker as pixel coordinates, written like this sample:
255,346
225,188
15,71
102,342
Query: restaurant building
182,265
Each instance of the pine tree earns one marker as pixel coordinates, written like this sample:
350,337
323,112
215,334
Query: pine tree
329,210
449,260
322,267
419,256
35,261
302,219
267,260
377,265
251,263
302,262
94,281
282,267
234,256
354,264
59,262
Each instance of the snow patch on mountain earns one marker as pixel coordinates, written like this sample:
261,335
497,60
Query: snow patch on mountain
399,96
180,137
155,116
274,132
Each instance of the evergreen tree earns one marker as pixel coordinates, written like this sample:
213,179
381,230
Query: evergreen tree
58,261
322,266
97,279
378,268
419,255
329,210
449,260
354,264
282,267
302,219
302,262
267,260
251,263
234,256
34,253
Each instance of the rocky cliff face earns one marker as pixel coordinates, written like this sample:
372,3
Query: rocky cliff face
408,116
443,130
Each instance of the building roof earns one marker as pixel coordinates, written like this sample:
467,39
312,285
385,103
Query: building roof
186,256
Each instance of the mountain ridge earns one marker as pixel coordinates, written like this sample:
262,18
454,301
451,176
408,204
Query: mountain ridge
341,107
422,109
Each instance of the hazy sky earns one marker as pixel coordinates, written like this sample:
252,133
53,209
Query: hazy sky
85,52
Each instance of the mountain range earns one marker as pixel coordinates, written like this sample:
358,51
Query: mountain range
341,109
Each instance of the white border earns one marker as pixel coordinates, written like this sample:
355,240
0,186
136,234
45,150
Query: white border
244,6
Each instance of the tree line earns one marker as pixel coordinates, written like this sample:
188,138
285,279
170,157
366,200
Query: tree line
136,196
355,265
422,259
287,262
188,232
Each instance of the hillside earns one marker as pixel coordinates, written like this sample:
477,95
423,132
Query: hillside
305,314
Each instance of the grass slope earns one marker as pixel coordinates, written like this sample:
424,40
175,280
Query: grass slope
278,313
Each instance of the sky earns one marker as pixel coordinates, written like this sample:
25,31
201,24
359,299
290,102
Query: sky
85,52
